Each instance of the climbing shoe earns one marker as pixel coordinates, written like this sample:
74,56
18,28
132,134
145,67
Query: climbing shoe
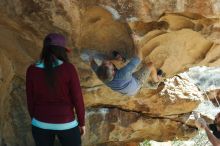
161,73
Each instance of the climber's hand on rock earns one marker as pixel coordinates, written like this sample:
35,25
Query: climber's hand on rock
92,61
201,123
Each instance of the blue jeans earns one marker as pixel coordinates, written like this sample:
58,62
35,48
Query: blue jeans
44,137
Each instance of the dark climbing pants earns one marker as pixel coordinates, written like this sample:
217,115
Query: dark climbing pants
44,137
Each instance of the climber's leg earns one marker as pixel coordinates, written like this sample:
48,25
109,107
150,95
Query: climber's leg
142,74
156,74
148,70
153,72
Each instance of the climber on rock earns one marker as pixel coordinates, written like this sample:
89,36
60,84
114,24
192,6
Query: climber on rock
125,80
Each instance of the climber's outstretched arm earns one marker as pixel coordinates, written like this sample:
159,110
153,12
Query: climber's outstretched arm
200,123
215,141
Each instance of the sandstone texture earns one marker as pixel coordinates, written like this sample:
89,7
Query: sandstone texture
174,34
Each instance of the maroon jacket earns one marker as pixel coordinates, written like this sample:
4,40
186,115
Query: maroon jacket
55,106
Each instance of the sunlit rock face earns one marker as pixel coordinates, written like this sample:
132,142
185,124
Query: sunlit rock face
123,127
99,28
169,34
170,105
169,99
149,10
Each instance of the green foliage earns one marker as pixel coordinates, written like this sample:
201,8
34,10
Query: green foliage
145,143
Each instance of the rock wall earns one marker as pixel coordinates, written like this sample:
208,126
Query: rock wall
170,35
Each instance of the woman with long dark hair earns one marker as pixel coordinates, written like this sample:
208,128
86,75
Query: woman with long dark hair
54,96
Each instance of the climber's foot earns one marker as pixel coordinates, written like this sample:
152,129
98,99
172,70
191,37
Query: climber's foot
161,73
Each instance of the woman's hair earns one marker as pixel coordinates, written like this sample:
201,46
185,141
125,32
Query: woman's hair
49,55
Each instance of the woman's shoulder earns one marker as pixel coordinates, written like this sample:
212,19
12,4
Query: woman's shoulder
33,64
31,67
68,64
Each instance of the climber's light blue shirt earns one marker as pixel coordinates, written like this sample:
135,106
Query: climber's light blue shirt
123,80
52,126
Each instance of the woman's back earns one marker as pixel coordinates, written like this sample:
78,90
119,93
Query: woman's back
53,94
54,104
